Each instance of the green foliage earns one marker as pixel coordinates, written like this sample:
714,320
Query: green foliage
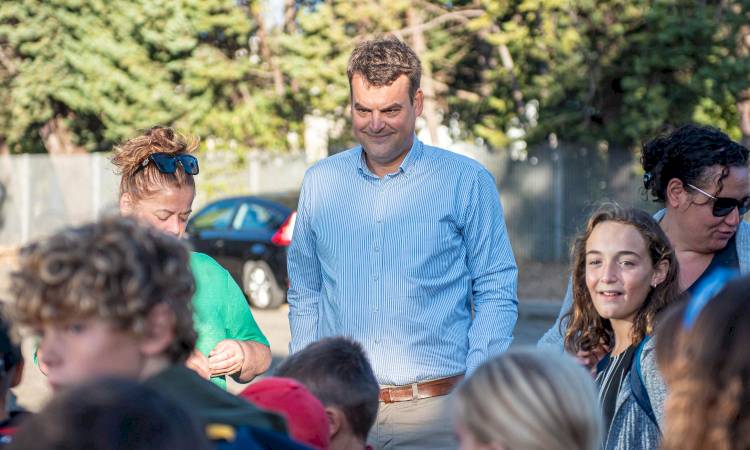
612,71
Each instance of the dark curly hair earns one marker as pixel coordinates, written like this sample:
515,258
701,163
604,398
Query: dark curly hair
114,270
144,181
586,329
685,154
707,370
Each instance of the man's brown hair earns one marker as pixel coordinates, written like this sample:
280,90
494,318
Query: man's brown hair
381,61
114,270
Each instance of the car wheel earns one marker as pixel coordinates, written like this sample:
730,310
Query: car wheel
260,285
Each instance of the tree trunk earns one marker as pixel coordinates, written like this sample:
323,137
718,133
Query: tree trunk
57,138
290,16
507,61
430,111
265,51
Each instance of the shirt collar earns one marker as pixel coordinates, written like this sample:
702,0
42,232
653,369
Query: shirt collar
407,165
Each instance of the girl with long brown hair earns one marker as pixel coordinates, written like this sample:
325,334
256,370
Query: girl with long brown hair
624,273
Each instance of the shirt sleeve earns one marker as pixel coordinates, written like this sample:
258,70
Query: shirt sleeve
239,320
493,270
304,276
553,338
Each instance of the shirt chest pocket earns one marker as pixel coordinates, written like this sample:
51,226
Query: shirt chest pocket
428,242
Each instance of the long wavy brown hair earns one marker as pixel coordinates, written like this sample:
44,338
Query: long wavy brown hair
587,330
707,370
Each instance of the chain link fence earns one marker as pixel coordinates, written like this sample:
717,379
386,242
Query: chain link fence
546,197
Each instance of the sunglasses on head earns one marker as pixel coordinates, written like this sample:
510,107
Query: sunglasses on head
168,163
725,205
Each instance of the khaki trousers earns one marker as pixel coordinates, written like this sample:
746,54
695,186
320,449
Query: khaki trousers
415,424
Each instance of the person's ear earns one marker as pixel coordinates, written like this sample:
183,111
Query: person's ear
159,330
17,374
418,102
335,420
127,204
660,273
676,195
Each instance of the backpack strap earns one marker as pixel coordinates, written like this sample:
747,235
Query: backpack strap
602,364
638,387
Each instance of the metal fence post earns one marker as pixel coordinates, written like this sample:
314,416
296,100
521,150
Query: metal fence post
96,185
559,198
25,198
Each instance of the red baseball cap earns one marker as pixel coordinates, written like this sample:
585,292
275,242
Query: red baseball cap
304,413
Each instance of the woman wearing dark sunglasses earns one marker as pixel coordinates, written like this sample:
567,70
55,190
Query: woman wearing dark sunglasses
701,177
157,187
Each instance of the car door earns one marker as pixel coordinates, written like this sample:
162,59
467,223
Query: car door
209,228
249,237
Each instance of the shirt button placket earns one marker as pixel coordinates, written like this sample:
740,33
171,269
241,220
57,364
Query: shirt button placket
377,258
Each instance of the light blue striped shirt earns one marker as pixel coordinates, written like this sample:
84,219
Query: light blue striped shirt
395,263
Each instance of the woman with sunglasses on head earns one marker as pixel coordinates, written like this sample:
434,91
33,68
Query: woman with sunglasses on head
157,187
701,177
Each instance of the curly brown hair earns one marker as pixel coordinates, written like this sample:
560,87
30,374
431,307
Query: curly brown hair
587,330
381,61
114,270
707,370
144,181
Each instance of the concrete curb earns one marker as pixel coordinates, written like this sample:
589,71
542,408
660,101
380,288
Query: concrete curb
539,309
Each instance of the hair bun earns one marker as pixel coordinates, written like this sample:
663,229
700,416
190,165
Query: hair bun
129,156
160,133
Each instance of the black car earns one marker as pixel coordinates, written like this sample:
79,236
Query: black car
249,236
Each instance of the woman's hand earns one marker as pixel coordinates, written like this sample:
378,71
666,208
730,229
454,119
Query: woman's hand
198,362
226,358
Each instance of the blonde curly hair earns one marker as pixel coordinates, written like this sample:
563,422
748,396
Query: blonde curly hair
144,181
707,370
114,270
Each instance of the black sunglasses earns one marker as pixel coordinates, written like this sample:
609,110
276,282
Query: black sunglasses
168,163
725,205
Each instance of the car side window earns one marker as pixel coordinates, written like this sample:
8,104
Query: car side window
216,216
252,216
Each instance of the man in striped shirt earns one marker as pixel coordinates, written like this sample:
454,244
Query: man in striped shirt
396,242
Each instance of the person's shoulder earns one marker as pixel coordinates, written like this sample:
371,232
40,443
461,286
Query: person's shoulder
206,270
455,162
334,163
201,262
209,403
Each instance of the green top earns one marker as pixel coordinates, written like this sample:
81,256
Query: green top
221,310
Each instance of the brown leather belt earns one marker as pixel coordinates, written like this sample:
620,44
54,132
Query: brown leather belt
414,391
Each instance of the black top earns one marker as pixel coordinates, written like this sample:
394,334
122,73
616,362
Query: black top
609,379
726,258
